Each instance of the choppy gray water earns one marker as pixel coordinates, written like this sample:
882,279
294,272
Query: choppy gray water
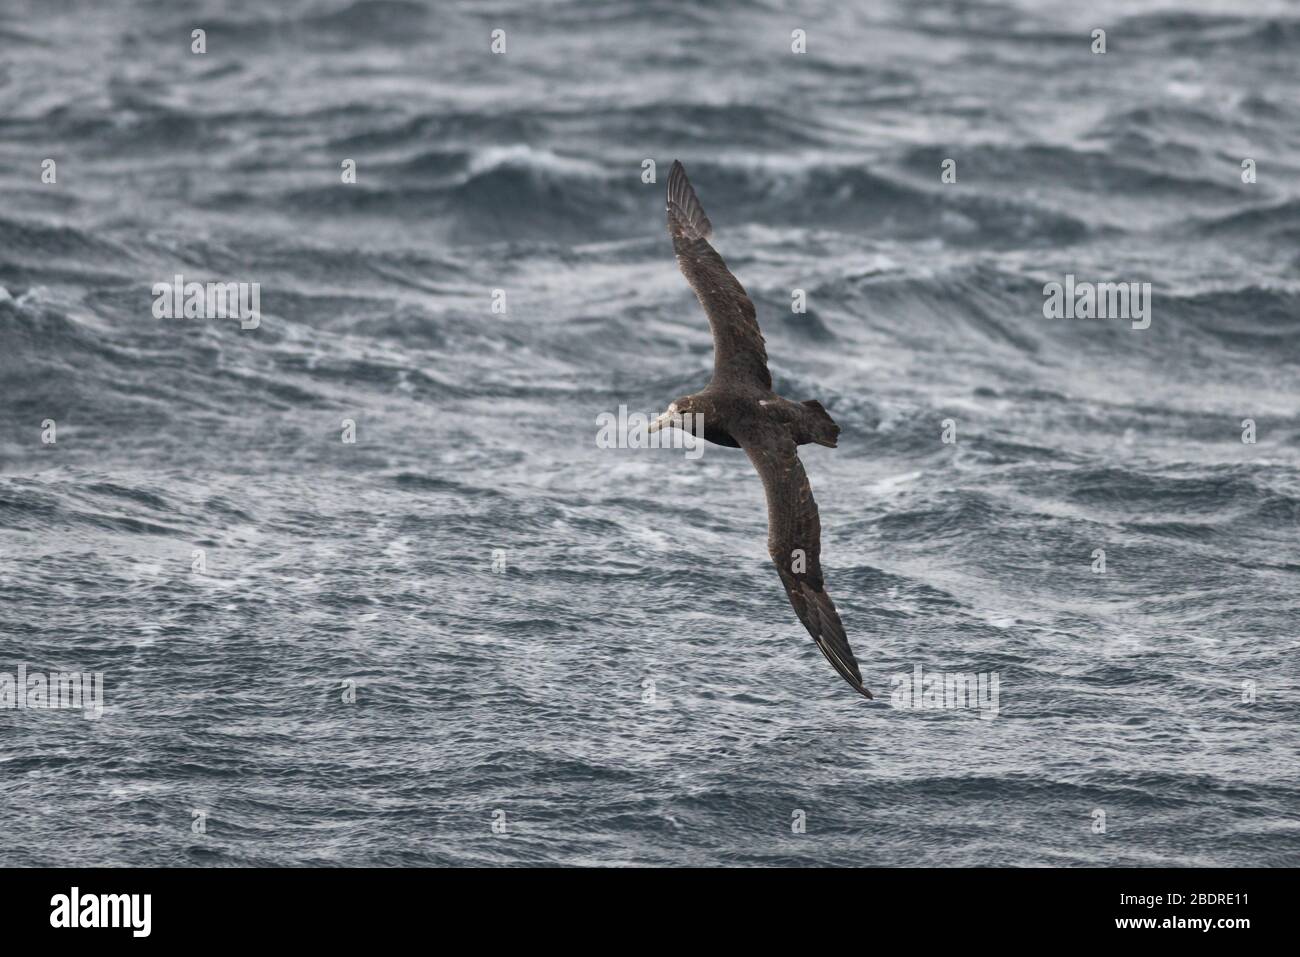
525,692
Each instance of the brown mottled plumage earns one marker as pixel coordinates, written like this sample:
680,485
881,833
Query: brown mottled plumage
739,409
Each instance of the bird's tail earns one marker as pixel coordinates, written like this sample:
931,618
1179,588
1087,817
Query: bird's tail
686,219
821,427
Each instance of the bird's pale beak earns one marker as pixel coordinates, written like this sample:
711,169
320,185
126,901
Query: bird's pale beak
669,419
663,422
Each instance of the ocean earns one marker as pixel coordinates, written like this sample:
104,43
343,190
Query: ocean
362,587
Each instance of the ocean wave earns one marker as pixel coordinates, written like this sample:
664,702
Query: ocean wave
363,21
1277,222
1190,32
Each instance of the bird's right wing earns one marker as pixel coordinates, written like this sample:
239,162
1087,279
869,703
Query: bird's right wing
794,540
738,350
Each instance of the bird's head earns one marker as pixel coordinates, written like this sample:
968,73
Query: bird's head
674,417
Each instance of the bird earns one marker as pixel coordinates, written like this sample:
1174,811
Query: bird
738,409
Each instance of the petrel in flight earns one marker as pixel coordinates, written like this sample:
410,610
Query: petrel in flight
739,409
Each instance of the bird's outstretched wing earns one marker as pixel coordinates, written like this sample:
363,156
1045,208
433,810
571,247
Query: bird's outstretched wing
738,350
794,540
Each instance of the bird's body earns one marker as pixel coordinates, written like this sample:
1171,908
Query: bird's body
739,409
747,410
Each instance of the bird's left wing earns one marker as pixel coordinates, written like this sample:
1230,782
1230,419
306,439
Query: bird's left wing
794,536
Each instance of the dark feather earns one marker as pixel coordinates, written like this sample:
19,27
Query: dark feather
739,353
794,540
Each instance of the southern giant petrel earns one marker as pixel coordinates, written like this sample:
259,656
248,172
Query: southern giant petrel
739,409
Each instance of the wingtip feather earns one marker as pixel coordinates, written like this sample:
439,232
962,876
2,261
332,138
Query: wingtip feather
686,216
